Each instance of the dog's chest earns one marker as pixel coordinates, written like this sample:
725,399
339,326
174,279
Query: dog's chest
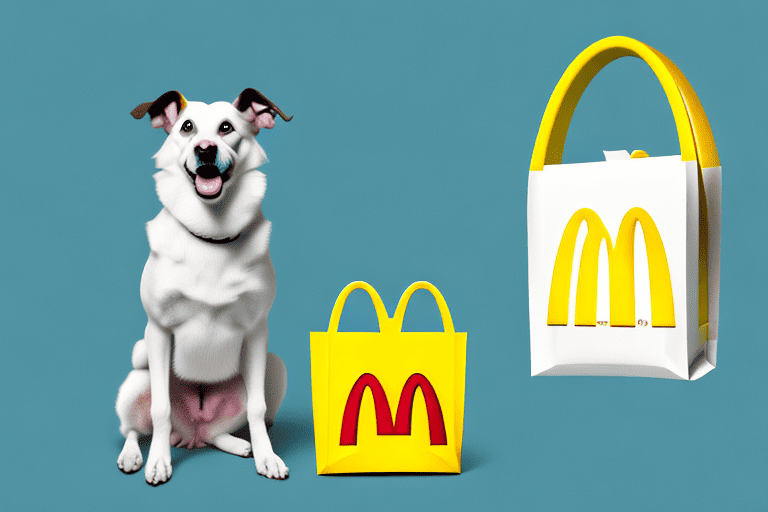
210,297
228,297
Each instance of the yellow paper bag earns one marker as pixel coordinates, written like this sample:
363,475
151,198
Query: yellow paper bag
368,415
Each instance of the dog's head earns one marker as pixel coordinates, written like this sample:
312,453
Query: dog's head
209,151
211,142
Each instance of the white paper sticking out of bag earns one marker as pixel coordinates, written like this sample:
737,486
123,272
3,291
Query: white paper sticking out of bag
622,154
667,189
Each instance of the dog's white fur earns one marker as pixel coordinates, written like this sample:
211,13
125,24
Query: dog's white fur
207,304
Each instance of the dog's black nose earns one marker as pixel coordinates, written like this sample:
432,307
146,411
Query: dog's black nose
206,155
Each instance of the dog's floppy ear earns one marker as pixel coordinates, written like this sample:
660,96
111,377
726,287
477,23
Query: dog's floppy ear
258,110
164,111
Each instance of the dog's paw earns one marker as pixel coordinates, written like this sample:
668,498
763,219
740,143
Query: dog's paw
130,460
234,445
271,466
158,470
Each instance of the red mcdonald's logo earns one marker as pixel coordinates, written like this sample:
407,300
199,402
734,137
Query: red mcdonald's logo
402,423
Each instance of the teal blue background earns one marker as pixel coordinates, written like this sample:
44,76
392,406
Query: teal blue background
407,159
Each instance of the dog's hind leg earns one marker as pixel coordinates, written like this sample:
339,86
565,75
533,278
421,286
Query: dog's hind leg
139,358
223,412
133,404
234,445
275,386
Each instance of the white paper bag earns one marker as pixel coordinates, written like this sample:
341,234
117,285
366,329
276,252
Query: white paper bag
624,255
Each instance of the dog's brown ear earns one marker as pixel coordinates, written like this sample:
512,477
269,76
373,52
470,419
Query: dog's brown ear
258,110
164,111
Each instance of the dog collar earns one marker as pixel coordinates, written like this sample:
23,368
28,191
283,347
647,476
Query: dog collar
216,240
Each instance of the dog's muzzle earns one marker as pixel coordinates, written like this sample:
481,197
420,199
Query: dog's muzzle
210,174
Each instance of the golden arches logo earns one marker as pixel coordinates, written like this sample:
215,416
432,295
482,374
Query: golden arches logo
621,271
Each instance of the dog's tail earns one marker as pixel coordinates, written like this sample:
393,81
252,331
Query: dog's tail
139,357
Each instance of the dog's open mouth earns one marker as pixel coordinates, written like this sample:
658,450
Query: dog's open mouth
208,181
209,187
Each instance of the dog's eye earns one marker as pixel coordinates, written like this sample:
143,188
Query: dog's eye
225,127
187,126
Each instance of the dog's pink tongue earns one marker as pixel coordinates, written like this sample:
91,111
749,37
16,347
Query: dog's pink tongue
208,187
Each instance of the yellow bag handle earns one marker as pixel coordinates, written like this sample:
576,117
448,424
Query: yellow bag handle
441,304
693,130
381,311
387,324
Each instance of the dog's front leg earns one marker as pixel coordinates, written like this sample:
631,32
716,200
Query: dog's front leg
158,340
254,372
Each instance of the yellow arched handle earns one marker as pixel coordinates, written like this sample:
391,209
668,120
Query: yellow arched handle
387,324
381,311
441,304
696,140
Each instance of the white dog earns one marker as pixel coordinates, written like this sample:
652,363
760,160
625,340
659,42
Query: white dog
202,368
